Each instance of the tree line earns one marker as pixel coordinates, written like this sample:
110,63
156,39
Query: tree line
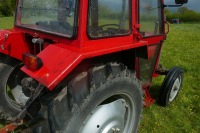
183,14
7,7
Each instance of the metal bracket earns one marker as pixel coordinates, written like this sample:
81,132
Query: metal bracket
137,34
5,39
34,97
148,99
25,111
161,70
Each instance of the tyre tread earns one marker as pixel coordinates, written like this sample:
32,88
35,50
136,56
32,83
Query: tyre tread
95,78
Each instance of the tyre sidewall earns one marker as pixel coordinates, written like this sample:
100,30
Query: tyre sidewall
114,86
8,109
168,83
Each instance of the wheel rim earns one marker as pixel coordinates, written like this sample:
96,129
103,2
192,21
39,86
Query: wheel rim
115,117
14,92
175,88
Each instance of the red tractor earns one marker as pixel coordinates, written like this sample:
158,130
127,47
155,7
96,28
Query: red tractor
83,66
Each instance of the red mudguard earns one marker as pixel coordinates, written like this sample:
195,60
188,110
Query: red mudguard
58,62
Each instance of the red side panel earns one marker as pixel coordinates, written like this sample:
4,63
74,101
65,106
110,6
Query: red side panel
13,43
58,62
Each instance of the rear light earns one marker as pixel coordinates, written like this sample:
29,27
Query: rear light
31,61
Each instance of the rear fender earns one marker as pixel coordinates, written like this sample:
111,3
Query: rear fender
58,63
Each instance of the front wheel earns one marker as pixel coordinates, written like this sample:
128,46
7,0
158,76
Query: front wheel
106,99
171,86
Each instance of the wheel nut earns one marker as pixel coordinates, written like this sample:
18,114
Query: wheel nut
117,130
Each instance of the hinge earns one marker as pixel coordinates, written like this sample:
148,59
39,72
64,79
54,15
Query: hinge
135,31
137,34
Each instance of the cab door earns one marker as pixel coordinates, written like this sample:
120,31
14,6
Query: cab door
152,30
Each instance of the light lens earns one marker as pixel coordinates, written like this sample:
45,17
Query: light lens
31,61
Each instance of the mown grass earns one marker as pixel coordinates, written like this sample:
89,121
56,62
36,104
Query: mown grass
6,22
182,48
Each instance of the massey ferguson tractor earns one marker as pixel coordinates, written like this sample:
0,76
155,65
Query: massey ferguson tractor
83,66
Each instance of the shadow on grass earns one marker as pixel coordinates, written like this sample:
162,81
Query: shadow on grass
154,92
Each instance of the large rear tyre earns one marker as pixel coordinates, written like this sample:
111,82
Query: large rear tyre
11,96
171,86
106,99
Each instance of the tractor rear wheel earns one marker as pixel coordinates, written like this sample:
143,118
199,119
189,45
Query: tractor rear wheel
106,98
11,96
171,86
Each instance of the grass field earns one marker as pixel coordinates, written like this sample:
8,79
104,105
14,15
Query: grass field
182,48
6,22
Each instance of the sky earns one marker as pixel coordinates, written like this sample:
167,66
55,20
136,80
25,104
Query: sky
191,5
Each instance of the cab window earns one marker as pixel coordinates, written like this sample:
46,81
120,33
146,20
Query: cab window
50,16
109,18
150,17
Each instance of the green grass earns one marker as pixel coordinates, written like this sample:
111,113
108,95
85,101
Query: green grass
6,22
182,48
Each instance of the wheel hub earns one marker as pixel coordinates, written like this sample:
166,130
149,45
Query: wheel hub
108,118
19,95
175,89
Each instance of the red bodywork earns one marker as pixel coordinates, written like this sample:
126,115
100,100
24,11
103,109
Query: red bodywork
60,58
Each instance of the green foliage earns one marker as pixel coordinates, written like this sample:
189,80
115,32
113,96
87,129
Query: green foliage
13,4
167,12
6,22
106,12
5,8
183,14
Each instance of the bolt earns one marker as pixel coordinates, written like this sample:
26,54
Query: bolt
123,101
118,130
2,47
113,129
